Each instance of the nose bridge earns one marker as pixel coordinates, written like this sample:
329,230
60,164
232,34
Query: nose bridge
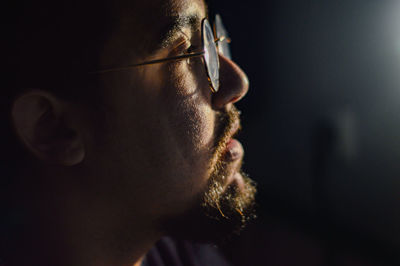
234,83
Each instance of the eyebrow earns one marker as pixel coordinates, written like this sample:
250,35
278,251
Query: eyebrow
175,25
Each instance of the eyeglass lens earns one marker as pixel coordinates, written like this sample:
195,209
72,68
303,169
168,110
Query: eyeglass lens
221,32
211,49
211,55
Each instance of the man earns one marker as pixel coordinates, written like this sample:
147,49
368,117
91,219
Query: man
121,132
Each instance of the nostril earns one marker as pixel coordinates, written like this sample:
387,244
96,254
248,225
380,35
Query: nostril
235,99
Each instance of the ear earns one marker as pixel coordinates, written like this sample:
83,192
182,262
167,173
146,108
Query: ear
43,123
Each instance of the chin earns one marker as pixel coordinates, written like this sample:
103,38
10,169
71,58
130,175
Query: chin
221,212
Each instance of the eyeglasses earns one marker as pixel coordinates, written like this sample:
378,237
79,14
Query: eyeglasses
213,42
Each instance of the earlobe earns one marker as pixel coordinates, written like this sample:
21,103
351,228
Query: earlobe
41,123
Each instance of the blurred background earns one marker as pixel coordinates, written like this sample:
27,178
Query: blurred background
321,129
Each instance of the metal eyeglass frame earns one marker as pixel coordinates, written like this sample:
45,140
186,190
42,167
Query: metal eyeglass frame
180,57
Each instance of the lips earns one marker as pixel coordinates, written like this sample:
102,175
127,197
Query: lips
232,154
235,128
233,150
232,157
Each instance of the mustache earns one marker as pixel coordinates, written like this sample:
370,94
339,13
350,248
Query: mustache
225,124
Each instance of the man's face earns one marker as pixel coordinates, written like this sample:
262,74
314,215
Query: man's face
164,146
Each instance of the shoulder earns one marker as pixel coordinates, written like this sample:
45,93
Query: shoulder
172,252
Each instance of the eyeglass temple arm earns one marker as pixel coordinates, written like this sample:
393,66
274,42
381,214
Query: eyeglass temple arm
156,61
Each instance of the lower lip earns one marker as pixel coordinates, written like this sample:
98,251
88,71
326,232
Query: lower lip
234,150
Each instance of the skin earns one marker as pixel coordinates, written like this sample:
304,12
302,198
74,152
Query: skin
115,173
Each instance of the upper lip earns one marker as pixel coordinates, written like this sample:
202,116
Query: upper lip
235,128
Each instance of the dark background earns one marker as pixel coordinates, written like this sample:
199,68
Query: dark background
321,129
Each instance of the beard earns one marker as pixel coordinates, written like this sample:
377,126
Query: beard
223,209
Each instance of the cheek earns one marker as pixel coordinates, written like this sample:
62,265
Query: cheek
195,128
191,118
192,137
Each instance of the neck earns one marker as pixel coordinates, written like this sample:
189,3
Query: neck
81,230
99,233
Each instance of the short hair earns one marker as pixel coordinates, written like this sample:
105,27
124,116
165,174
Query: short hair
48,41
49,45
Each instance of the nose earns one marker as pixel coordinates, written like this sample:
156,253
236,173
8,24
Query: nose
233,84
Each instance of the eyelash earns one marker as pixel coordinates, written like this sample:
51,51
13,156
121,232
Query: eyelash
186,47
192,48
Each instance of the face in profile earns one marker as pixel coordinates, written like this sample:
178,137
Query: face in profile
157,153
180,164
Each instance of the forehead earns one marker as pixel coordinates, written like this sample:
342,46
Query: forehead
175,13
177,7
142,25
155,9
156,17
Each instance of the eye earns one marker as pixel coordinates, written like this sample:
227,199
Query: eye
185,46
181,46
192,49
